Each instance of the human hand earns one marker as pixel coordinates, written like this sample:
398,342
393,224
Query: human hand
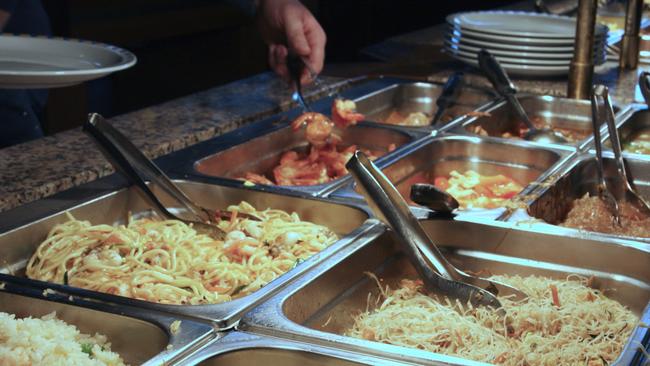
286,25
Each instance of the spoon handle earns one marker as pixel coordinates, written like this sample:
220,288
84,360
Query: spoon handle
120,162
614,138
448,95
502,84
118,146
596,118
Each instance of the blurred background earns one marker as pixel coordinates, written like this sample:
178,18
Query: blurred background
185,46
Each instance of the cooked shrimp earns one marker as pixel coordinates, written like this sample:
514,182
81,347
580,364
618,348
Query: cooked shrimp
319,127
344,113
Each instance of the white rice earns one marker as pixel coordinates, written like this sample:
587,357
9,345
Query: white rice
50,341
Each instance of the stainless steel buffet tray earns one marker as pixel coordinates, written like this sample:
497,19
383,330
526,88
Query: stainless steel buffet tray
321,305
139,337
572,114
17,245
261,154
554,197
242,348
439,155
409,97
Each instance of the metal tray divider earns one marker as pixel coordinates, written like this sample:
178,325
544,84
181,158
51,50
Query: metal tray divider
241,341
190,338
224,315
269,317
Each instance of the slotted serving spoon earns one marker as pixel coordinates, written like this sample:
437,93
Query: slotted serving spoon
631,195
603,190
446,280
130,161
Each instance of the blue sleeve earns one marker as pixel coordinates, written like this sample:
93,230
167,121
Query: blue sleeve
8,5
247,6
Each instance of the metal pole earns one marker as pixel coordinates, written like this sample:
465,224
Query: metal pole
581,70
629,58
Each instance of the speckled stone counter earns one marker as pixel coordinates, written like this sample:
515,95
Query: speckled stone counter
43,167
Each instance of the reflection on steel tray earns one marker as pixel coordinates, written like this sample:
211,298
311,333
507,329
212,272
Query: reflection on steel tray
321,305
139,337
18,245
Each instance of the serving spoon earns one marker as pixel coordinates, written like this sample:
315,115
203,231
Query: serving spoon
130,161
296,65
631,195
443,279
434,198
504,86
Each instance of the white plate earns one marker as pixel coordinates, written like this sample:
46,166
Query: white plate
535,55
534,42
514,47
600,55
523,70
516,61
28,62
517,23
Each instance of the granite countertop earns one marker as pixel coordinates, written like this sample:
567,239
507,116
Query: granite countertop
49,165
41,168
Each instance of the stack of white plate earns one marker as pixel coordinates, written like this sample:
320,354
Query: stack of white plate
526,44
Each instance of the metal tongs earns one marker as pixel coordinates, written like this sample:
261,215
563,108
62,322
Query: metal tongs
296,65
597,115
601,93
439,276
130,161
448,95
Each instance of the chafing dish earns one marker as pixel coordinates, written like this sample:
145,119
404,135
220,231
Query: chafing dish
242,348
17,245
321,305
140,337
261,154
409,97
554,197
564,113
440,155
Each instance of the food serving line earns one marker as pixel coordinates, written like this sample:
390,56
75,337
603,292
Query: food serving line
300,316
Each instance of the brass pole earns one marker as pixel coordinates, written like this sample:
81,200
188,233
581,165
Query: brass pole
629,58
581,70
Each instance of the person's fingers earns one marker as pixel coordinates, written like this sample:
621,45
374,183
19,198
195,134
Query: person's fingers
278,61
317,39
295,31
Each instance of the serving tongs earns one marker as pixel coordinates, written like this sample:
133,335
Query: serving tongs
597,116
504,86
131,162
439,276
601,93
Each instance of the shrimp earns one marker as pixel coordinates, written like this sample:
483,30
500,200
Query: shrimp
344,113
319,127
